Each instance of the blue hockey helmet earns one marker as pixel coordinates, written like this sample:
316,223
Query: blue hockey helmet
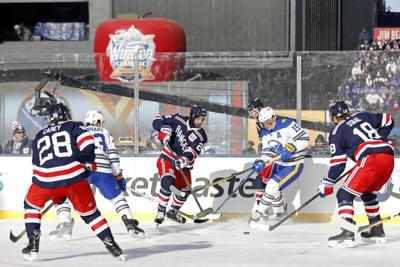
196,111
59,112
339,109
255,103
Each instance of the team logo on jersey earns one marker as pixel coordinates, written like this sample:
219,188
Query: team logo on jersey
122,50
192,137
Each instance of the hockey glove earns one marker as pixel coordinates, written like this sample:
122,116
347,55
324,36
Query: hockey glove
121,181
91,166
181,163
326,187
287,151
258,166
164,135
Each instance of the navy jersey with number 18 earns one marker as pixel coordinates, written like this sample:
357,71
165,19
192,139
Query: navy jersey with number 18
358,135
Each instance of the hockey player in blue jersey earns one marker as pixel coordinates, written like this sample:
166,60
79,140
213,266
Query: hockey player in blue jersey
107,178
279,137
59,154
362,137
186,138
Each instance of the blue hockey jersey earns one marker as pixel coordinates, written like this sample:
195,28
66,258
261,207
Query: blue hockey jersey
186,142
59,152
358,135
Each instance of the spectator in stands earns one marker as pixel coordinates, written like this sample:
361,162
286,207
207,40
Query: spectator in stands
20,143
250,148
321,146
364,38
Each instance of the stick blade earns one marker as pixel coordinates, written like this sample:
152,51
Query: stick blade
345,224
13,238
204,213
200,220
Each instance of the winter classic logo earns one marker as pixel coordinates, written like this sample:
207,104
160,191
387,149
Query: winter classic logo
122,49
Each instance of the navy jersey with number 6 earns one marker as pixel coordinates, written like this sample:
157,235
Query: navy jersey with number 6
185,141
59,152
358,135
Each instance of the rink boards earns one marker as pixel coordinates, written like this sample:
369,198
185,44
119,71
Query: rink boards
141,174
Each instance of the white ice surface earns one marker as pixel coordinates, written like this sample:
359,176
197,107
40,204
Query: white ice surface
210,244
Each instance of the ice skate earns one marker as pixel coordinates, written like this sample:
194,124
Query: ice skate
113,248
175,216
31,251
344,239
374,235
159,217
276,217
63,231
132,227
257,221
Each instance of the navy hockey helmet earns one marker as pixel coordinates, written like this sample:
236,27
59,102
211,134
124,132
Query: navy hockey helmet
339,109
59,112
196,111
255,103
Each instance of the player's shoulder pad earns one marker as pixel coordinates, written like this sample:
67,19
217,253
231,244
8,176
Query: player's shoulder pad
282,123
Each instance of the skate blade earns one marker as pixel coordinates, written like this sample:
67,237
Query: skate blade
59,237
343,244
140,235
374,240
33,256
258,226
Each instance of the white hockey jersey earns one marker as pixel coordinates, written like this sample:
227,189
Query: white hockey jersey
107,157
285,131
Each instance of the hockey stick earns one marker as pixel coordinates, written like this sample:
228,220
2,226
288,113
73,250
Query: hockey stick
209,211
176,191
212,211
357,229
233,175
272,227
14,238
200,214
192,217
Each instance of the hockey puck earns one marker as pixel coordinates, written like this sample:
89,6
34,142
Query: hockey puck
246,233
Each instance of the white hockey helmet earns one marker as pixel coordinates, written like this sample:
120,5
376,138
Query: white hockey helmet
267,113
93,117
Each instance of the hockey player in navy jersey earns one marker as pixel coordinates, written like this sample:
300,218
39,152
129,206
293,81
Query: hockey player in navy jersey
60,152
362,137
279,137
253,108
107,178
186,138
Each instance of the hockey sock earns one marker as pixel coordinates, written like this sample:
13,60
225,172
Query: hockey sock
346,210
277,204
98,224
165,192
259,195
345,204
178,201
259,185
64,212
271,193
121,206
32,217
371,205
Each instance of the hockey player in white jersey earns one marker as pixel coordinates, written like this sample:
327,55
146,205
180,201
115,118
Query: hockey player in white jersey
279,137
107,178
